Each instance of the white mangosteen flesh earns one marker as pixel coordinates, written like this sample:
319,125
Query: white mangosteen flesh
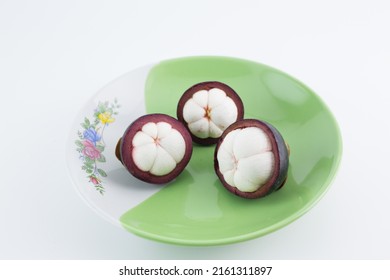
209,112
246,159
158,148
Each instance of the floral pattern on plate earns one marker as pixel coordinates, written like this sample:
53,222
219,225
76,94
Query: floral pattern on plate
90,143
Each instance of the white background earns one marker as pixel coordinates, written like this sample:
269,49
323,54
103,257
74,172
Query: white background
54,55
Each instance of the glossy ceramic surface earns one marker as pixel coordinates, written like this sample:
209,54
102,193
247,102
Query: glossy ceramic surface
195,209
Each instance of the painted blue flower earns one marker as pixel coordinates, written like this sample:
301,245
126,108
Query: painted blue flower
92,135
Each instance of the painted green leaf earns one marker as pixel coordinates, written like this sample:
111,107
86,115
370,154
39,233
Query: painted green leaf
88,160
101,159
86,121
102,108
100,189
102,172
78,143
100,148
89,171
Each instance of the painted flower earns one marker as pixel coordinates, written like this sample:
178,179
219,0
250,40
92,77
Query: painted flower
90,150
91,135
90,143
106,117
94,180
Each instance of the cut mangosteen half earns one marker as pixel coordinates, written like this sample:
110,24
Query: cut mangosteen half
155,148
251,159
207,109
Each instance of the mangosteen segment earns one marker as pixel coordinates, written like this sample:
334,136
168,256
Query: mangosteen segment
207,109
251,159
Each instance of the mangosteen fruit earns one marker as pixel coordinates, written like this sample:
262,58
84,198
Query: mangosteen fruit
155,148
207,109
251,158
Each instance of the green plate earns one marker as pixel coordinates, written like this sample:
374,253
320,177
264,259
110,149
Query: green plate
195,209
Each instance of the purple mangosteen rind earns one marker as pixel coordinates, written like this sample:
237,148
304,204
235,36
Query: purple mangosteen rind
207,86
284,156
126,148
118,150
281,154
